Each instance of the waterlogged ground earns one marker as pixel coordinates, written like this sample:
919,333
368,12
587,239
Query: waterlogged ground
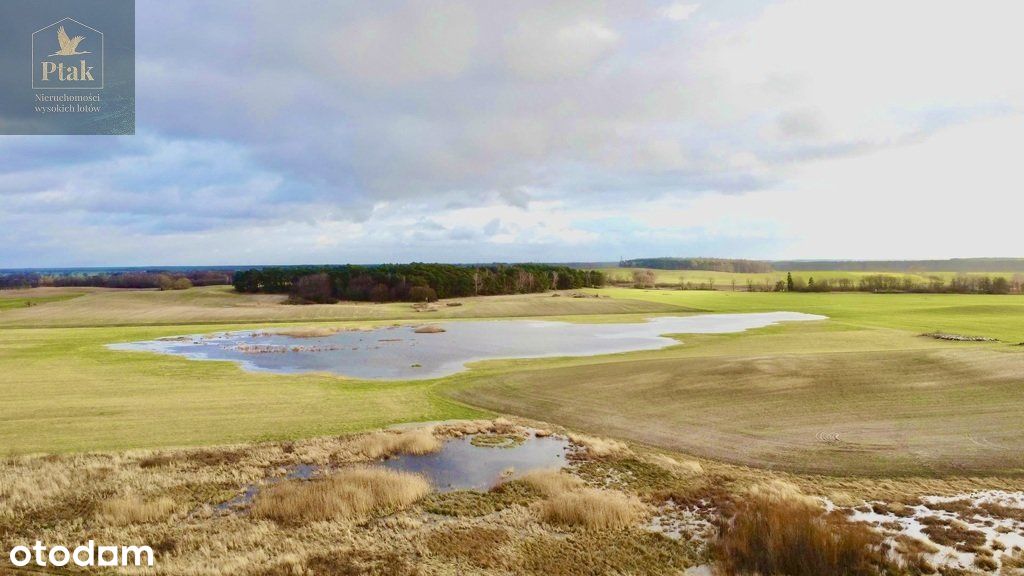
965,531
402,353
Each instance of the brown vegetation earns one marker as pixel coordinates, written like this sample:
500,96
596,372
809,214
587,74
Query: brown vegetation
352,494
383,444
592,509
134,510
776,533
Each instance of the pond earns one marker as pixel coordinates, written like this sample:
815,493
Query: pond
463,465
409,352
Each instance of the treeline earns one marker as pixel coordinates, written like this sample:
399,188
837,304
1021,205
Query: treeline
410,282
149,279
887,283
710,264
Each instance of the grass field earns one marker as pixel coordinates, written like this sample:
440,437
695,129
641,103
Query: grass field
861,393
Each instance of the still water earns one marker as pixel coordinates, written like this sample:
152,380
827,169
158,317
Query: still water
401,353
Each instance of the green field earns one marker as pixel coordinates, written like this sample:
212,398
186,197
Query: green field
861,393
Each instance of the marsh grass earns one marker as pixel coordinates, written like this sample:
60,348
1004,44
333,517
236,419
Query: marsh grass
592,509
773,533
354,494
601,447
384,444
128,510
551,482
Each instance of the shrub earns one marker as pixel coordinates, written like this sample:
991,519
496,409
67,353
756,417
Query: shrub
353,494
422,294
181,283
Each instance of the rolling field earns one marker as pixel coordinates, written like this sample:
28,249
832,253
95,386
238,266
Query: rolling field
861,393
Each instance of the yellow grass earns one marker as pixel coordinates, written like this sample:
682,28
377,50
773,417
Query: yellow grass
551,482
353,494
683,467
592,509
600,447
382,444
134,510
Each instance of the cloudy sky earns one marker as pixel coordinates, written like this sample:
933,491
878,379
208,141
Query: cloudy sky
359,131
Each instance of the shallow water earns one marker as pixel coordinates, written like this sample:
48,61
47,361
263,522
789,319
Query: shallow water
460,465
399,353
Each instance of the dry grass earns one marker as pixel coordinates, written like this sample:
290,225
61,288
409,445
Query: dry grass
775,534
429,329
592,509
601,447
383,444
551,482
134,510
353,494
682,467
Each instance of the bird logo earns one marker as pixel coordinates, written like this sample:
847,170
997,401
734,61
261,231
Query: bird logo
68,45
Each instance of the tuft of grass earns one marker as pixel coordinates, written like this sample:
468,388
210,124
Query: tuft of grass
772,533
600,447
353,494
383,444
550,482
592,509
134,510
682,467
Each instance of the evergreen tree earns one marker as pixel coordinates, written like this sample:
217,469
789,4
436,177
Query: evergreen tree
789,281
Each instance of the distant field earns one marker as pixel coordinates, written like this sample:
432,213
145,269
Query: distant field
724,280
859,394
221,304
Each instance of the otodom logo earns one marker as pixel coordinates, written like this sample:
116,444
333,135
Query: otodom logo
67,55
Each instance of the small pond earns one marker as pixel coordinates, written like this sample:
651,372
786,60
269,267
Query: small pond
402,353
462,465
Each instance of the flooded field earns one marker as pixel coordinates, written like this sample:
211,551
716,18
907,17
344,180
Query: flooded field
419,352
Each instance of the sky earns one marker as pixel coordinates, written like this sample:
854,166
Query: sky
293,132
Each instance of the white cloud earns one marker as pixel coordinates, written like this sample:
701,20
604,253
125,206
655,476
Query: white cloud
582,130
679,11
